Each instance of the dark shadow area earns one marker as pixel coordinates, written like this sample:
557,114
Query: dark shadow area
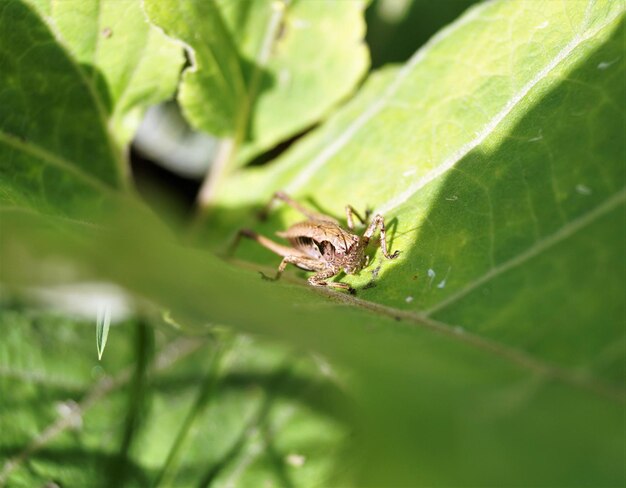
164,191
396,29
327,398
273,153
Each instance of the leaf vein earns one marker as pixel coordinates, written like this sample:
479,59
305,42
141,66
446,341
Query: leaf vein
334,147
492,124
564,232
519,357
60,162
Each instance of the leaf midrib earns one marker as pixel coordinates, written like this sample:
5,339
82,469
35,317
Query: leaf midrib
580,379
42,154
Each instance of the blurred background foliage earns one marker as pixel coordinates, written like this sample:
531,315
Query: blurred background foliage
308,389
396,28
170,158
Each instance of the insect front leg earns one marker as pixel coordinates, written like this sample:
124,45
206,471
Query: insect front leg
369,232
319,279
301,262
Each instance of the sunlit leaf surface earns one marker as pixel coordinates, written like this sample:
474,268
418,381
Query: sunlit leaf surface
490,353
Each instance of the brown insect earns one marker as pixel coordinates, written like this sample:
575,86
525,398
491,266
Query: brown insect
320,244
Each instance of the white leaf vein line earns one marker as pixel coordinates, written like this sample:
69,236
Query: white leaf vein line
493,123
564,232
332,149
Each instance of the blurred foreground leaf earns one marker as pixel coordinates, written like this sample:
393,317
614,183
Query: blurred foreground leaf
63,415
428,394
492,351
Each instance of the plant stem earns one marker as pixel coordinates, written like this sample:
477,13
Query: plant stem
223,160
228,147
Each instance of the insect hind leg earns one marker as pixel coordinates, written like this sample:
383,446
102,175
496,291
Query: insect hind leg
264,241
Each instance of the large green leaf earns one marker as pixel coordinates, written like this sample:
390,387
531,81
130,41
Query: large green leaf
127,63
499,185
75,78
498,152
507,371
264,70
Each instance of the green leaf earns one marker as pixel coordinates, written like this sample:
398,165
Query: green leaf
128,63
480,176
212,91
75,78
499,151
497,154
264,70
103,324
